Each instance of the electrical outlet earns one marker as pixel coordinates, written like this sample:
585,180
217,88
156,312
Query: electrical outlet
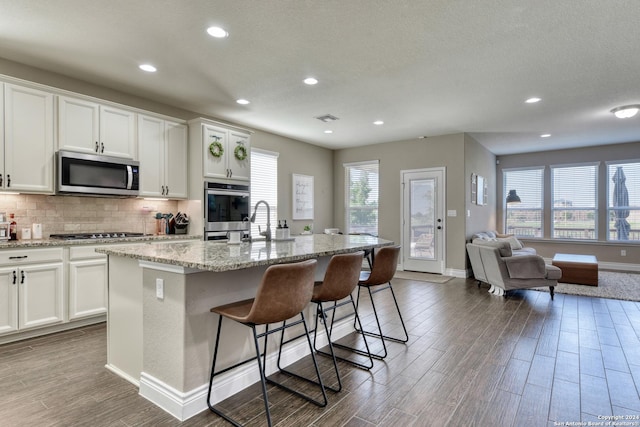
159,288
623,252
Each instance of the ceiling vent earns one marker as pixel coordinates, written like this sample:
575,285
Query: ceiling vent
327,118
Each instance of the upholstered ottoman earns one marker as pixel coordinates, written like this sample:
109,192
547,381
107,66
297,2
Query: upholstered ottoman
579,269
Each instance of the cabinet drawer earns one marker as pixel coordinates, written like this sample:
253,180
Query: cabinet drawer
29,256
84,252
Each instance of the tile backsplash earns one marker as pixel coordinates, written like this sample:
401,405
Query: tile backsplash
70,214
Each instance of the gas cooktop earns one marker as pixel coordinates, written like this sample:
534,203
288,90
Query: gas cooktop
85,236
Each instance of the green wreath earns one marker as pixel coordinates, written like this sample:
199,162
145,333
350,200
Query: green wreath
216,149
240,152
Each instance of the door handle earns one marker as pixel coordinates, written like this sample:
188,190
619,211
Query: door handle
97,146
21,276
14,277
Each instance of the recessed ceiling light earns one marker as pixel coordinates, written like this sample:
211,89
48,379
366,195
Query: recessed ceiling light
378,122
148,68
217,32
533,100
310,81
545,135
626,111
242,101
328,131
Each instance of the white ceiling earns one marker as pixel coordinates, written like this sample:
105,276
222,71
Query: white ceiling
425,67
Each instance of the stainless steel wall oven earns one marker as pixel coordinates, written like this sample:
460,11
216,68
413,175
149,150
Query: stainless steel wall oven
226,209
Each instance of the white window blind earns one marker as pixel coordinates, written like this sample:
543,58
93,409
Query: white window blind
575,206
264,186
524,219
361,180
623,207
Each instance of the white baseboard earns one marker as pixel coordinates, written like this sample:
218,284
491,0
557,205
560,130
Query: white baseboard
46,330
184,405
123,374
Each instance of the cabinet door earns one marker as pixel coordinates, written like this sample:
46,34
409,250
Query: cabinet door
151,150
78,125
239,169
117,132
87,288
29,145
214,167
8,300
40,295
176,160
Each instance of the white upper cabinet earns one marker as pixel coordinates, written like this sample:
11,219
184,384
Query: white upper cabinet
89,127
27,159
162,147
232,161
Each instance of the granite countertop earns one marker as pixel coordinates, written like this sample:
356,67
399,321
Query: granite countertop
41,243
220,256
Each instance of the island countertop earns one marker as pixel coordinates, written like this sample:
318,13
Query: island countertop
220,256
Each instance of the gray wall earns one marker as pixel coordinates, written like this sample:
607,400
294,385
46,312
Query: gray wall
441,151
306,159
603,250
480,161
295,156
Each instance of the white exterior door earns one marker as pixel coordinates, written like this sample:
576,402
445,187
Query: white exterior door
423,228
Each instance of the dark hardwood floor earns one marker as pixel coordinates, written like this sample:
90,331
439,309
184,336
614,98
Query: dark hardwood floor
473,359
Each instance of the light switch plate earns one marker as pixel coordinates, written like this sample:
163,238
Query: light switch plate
159,288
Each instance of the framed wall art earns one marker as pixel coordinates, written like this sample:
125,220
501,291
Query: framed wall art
302,196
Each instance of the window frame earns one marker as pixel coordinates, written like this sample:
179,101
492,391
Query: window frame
609,208
262,214
347,190
596,208
505,206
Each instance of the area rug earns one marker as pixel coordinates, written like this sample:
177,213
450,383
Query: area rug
422,277
613,285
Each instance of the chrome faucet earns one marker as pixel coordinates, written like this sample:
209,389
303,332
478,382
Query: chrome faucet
267,232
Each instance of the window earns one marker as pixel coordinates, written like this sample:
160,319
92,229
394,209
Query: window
524,218
623,206
575,206
264,186
361,180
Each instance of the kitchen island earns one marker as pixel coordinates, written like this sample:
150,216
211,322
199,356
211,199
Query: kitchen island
161,331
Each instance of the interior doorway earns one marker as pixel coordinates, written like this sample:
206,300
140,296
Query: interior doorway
423,225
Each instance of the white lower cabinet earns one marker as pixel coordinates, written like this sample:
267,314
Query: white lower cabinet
87,282
32,289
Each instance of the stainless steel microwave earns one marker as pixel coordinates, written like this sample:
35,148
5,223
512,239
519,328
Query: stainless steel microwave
91,174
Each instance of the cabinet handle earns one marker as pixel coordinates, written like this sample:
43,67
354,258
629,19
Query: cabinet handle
21,276
163,190
102,147
14,277
97,146
1,179
18,257
167,192
8,180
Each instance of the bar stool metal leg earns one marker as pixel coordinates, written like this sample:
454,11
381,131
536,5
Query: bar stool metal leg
324,401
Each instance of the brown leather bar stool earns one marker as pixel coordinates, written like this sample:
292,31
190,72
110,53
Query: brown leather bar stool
384,268
284,292
340,279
